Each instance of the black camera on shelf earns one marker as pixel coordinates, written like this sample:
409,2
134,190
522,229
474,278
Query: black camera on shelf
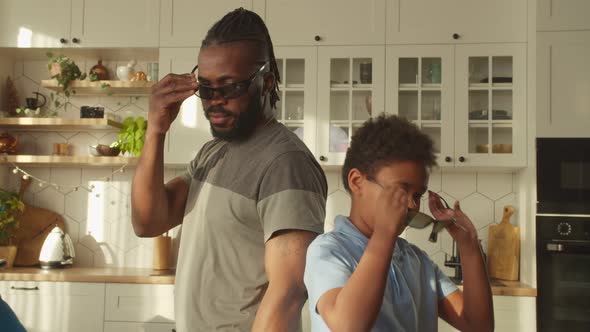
91,112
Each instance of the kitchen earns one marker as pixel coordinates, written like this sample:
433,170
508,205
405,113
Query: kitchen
426,60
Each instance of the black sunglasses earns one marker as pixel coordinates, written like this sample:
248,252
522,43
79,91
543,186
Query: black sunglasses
228,91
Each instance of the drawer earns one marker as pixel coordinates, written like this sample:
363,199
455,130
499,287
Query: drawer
139,303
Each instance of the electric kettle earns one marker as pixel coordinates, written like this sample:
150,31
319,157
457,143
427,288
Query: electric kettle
57,250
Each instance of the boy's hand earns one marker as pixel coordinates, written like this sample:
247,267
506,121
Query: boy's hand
462,229
391,208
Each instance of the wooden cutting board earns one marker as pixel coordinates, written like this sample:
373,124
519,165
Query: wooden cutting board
504,248
34,225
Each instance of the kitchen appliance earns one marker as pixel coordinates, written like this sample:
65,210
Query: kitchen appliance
563,176
563,273
57,250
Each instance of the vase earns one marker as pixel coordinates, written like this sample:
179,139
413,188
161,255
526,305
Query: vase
55,69
8,253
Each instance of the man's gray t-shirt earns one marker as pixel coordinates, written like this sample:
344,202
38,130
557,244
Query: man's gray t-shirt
240,194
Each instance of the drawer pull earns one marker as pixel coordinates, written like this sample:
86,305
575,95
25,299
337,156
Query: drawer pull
25,288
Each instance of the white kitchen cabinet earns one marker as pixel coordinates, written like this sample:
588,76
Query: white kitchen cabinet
297,107
562,15
446,91
456,21
32,23
184,23
191,128
56,306
563,84
79,23
490,77
139,303
326,22
115,23
138,327
511,314
420,87
350,90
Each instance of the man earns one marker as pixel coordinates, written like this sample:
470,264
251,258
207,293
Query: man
363,276
252,200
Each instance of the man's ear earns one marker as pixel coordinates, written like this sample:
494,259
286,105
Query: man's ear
269,83
355,180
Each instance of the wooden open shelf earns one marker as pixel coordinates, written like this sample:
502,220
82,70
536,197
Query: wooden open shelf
107,123
114,88
90,161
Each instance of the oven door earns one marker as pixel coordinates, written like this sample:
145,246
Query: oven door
563,175
563,286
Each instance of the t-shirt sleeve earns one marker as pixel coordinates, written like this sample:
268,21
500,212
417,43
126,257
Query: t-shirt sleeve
292,195
444,285
325,269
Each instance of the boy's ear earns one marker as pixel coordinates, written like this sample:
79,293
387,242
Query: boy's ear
355,178
269,82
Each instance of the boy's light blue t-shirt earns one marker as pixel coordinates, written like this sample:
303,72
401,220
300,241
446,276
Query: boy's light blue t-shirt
414,286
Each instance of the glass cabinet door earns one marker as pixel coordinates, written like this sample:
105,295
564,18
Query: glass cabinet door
491,109
419,88
296,108
350,92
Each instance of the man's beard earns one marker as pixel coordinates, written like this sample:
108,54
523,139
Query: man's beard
244,125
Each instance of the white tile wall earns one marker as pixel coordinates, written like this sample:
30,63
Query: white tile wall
99,222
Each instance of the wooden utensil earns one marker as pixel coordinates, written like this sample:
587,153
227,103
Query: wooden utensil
34,225
162,259
504,248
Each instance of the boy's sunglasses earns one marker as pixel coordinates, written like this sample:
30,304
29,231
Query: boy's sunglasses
228,91
419,220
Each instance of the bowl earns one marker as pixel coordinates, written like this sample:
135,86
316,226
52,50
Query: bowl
103,150
496,148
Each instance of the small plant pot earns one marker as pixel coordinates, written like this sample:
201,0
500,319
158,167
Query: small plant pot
8,253
105,150
55,69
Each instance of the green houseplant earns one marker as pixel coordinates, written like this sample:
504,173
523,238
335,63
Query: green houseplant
132,135
10,207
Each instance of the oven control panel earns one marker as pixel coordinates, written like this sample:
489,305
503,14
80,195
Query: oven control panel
563,228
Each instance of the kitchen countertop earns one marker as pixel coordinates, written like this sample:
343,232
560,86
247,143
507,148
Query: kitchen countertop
149,276
89,274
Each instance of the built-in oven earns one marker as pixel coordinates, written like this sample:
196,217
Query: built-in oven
563,176
563,273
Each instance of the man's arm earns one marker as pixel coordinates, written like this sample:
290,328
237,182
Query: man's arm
472,309
284,261
158,207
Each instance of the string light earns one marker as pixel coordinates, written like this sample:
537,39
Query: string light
25,176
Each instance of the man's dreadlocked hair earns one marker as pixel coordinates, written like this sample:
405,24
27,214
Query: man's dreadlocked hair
244,25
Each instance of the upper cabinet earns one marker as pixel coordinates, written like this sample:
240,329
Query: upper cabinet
184,23
296,108
32,23
351,83
326,22
448,92
563,84
115,23
79,23
563,15
490,105
456,21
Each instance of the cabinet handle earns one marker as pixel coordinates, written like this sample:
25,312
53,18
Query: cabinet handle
461,159
24,288
63,40
173,330
456,36
448,159
322,158
317,38
75,40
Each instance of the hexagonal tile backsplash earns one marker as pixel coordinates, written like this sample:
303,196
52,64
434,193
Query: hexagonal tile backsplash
100,221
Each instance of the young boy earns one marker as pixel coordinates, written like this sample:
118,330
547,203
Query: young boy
363,276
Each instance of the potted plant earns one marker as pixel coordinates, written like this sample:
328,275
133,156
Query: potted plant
132,135
11,206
